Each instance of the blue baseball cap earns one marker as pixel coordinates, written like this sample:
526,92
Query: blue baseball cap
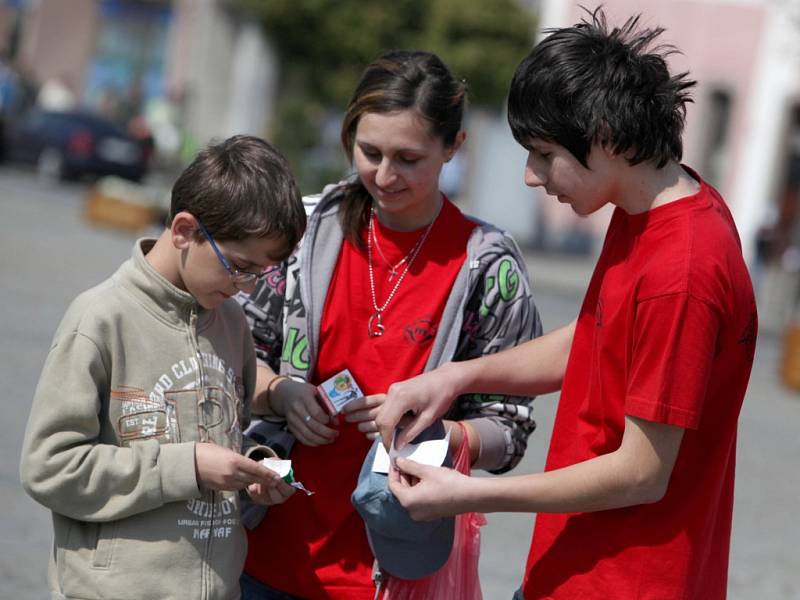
403,547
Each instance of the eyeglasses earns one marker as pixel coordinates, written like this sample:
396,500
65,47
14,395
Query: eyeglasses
244,280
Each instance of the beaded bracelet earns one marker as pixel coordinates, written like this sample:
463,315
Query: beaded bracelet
268,391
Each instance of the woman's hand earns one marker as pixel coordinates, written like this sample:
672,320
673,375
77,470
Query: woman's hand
363,411
297,401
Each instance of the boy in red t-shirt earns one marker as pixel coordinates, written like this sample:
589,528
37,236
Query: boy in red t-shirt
637,495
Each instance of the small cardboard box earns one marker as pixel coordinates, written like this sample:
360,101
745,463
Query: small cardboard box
790,361
102,209
339,390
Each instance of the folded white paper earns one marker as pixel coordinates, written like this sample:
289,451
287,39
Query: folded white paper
281,467
284,469
430,452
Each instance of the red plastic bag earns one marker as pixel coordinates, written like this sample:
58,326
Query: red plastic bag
458,578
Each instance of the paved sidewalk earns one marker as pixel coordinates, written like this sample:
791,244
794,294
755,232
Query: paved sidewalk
49,255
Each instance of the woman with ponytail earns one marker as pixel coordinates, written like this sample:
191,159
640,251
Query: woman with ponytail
390,280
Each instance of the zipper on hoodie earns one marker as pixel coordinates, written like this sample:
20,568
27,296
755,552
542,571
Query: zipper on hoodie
204,578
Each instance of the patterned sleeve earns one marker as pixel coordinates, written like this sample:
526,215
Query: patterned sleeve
264,311
500,314
266,308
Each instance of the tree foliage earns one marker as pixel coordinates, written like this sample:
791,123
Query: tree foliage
324,45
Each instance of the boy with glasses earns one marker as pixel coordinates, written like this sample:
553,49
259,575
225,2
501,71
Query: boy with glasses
134,439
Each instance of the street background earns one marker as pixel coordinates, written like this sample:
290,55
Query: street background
49,254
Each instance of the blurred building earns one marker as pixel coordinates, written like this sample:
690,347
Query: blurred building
196,68
200,69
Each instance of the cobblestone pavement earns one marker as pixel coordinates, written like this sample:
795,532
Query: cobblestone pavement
49,255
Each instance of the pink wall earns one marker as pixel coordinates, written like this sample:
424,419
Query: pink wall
719,42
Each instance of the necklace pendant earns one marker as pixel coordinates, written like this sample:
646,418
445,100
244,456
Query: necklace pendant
392,273
375,327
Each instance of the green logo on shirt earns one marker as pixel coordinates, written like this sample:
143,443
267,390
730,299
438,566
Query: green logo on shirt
294,350
508,283
509,280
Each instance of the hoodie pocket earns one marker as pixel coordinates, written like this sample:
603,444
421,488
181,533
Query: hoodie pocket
104,549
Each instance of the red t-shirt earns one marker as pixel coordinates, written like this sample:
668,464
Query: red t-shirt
666,333
316,546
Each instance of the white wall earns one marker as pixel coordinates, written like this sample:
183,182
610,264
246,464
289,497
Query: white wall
225,68
775,88
253,78
496,191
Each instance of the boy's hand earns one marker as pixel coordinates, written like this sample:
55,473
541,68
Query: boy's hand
275,493
363,411
414,404
305,417
219,468
427,492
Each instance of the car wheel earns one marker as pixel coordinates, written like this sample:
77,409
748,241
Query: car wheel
50,166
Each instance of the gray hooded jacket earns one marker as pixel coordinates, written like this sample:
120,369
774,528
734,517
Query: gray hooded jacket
490,308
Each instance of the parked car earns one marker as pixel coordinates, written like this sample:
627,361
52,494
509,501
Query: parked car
67,145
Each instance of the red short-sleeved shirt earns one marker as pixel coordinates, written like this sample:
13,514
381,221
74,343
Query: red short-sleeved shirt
666,333
316,547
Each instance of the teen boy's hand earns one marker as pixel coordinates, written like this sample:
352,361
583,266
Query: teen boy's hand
219,468
427,492
416,403
364,411
532,368
307,420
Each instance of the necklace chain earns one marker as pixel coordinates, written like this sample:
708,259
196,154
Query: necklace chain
375,326
400,263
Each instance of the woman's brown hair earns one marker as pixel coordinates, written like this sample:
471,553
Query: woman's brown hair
395,81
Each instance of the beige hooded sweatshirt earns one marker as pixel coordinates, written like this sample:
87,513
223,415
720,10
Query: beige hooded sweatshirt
136,375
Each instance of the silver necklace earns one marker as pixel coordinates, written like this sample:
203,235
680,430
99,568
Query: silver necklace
375,326
392,268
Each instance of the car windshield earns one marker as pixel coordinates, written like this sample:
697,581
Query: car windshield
94,123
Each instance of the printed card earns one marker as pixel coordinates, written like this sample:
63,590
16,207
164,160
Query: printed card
338,391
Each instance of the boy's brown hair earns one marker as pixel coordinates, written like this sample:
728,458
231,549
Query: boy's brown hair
242,188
